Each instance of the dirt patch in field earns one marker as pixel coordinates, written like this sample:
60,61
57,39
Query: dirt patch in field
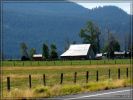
61,67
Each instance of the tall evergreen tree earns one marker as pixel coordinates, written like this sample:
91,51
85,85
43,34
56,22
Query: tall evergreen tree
112,46
32,52
53,53
24,53
45,51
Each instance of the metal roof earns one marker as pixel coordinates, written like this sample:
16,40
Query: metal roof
99,55
37,55
118,53
77,50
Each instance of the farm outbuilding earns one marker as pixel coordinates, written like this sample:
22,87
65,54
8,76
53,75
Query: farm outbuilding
37,57
99,56
79,51
119,54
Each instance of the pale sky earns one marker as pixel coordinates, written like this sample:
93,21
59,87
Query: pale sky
125,6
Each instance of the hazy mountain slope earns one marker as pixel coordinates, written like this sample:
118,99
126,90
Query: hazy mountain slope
55,23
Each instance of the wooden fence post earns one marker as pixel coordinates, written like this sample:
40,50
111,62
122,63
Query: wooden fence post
87,76
97,78
14,63
127,73
23,63
61,81
31,63
109,73
44,80
75,77
38,63
119,73
29,81
8,83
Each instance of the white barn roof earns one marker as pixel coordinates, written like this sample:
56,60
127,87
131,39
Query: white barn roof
37,55
77,50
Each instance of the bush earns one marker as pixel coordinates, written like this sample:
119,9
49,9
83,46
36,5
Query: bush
70,89
41,89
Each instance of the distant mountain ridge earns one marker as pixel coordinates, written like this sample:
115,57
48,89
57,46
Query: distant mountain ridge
56,23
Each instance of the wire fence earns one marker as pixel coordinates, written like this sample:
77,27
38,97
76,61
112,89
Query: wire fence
64,78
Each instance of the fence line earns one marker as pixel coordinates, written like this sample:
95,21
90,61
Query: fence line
67,62
75,77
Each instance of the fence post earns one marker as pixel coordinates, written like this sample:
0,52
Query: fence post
38,63
29,81
61,78
23,63
8,83
127,72
115,61
90,61
87,76
118,73
44,80
109,73
104,61
97,78
14,63
75,77
31,63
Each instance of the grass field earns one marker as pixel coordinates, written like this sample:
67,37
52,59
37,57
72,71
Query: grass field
63,63
19,74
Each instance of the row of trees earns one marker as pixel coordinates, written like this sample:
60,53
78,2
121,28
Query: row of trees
46,52
49,54
91,34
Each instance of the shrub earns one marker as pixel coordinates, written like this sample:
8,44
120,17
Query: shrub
70,89
41,89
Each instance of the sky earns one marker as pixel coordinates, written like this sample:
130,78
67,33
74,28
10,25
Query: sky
125,6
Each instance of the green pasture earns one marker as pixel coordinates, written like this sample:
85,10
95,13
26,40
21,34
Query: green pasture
65,63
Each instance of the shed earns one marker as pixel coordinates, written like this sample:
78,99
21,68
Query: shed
37,57
99,56
79,51
119,54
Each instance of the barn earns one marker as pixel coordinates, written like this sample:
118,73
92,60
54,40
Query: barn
78,51
37,57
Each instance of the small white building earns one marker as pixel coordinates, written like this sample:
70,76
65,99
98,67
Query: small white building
119,54
78,51
99,56
37,57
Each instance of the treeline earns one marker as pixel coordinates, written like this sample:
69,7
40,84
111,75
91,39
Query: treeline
90,34
47,53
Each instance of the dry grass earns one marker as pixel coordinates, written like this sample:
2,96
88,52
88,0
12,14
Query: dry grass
56,90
